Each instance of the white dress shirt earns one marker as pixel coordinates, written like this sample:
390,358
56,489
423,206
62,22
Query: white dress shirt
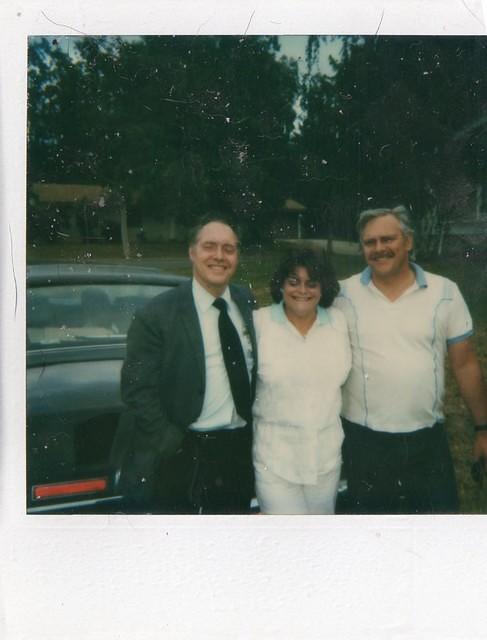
218,406
297,427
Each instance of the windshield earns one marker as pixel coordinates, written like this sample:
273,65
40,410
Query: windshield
83,314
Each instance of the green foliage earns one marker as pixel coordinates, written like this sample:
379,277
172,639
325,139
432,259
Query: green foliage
182,125
387,129
178,125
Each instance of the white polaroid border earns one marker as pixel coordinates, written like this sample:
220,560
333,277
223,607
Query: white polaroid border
135,577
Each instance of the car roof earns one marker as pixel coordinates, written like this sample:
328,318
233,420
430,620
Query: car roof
83,273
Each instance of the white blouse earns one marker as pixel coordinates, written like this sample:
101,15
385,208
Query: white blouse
297,427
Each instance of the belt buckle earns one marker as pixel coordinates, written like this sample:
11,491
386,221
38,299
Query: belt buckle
206,436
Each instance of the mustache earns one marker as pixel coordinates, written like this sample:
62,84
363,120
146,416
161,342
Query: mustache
382,254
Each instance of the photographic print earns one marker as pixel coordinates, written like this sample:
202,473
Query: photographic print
131,139
122,125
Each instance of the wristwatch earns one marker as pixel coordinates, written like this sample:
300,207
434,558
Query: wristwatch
480,427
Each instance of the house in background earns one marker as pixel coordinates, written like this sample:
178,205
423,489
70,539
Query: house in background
462,228
468,232
78,212
466,229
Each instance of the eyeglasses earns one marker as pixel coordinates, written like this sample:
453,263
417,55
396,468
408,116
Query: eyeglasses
293,281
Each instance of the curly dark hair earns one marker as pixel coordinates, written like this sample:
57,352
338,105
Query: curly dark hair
318,267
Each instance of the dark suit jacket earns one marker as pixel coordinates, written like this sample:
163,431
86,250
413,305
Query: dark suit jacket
163,382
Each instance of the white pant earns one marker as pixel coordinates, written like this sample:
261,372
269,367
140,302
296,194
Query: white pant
278,496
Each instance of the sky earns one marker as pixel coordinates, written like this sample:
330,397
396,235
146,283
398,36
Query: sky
295,47
291,46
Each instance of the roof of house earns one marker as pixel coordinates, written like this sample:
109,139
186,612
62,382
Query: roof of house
53,192
293,205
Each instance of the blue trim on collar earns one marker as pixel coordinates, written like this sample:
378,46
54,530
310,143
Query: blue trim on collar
366,276
323,316
278,314
420,275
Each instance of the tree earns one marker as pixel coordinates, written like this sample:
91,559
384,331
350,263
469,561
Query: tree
178,125
383,128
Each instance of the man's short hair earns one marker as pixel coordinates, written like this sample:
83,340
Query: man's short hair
318,267
194,231
400,213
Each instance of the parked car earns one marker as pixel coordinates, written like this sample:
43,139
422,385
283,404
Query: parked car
77,321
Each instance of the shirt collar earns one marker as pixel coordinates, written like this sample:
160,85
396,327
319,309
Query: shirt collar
204,299
278,314
366,276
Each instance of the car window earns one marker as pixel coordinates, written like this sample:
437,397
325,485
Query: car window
83,314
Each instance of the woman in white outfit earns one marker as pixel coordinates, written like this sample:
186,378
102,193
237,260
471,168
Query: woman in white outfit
304,359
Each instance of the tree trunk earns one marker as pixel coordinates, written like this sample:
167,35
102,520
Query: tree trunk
329,235
441,240
124,230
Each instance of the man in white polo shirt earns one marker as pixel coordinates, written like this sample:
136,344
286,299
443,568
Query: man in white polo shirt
402,322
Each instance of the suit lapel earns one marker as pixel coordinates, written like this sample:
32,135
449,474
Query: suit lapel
190,322
244,303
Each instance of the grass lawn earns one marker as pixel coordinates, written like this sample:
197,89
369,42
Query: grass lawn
256,268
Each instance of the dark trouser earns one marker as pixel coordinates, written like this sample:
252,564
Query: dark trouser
398,472
212,474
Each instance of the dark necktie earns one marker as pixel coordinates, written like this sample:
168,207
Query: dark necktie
234,359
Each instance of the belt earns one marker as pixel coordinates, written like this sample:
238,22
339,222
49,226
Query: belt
417,434
218,434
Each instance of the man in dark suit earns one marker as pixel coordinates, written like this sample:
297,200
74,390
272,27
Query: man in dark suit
191,447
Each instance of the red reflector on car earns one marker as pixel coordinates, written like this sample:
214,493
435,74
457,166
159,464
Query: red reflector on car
94,485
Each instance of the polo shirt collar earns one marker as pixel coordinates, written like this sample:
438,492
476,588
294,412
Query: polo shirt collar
204,299
420,275
278,314
366,276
